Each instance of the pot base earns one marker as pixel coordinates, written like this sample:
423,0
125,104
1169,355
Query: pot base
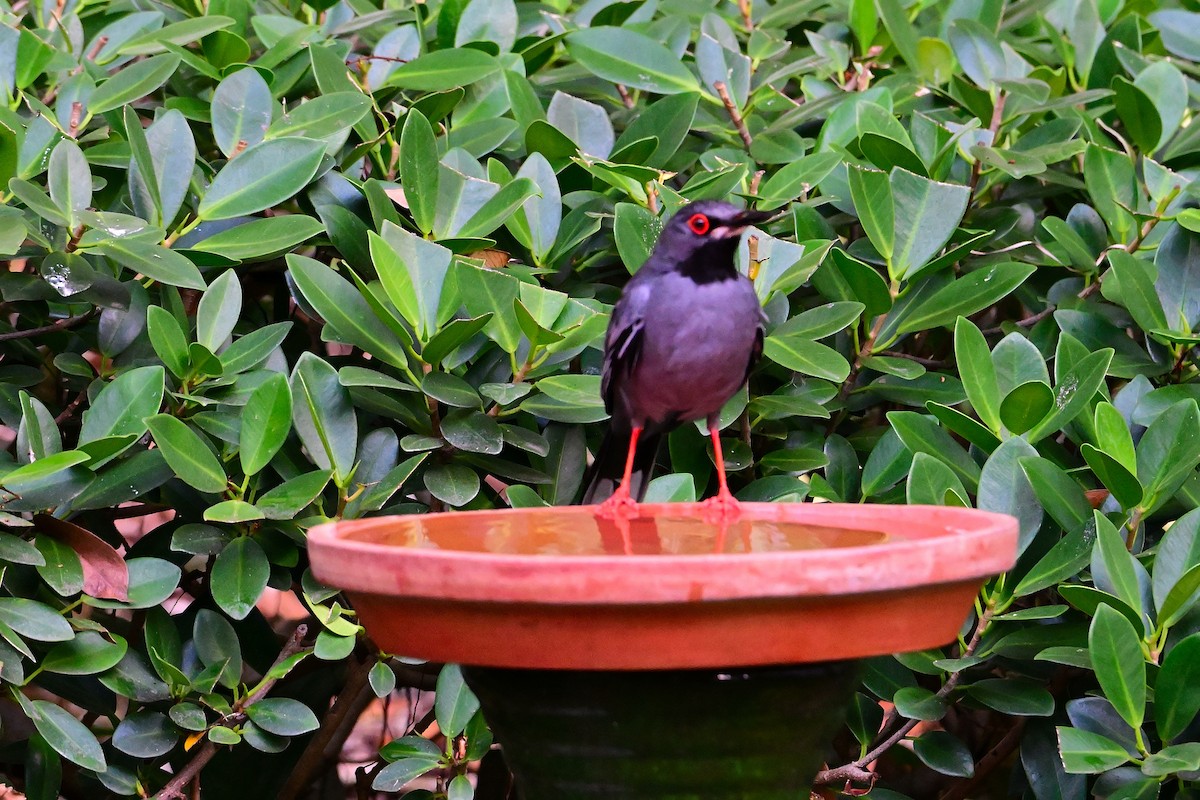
750,734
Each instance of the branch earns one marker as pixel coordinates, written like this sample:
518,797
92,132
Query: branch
60,325
734,114
994,127
858,770
332,734
175,789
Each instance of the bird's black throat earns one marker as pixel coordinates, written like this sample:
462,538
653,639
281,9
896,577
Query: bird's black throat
711,263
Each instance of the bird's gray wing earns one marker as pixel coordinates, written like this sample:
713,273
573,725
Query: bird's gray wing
757,350
623,341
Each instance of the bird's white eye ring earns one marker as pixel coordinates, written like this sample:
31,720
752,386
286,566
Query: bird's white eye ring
698,223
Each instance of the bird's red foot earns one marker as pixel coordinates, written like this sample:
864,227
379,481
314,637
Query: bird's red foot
722,507
620,505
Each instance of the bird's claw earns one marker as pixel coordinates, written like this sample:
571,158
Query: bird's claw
722,507
619,505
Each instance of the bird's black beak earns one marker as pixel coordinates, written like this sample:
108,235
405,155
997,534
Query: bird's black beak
749,217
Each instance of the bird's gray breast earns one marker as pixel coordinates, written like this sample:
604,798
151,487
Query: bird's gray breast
697,341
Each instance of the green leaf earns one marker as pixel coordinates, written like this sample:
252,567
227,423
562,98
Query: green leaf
35,620
944,753
419,169
260,237
1117,659
239,576
632,59
401,772
1115,476
1088,753
1177,690
498,208
1172,759
811,358
453,484
322,117
241,111
970,293
921,435
219,310
1109,177
168,339
152,260
1168,452
872,194
1138,114
323,415
345,309
413,272
1074,392
70,181
977,371
454,702
1026,406
145,734
927,213
1058,493
290,497
261,176
444,69
122,406
132,83
282,716
69,737
1012,696
1004,488
266,422
915,702
187,453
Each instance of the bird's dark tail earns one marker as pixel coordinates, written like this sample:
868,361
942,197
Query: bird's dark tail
607,470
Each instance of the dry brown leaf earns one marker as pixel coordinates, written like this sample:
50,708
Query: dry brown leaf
105,573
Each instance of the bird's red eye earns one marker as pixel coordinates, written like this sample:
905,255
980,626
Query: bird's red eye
699,224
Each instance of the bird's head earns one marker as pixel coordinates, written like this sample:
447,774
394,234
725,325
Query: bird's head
702,237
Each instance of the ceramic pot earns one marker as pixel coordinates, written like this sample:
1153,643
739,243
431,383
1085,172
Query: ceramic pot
664,657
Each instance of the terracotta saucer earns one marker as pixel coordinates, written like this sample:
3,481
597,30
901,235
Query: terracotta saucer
561,588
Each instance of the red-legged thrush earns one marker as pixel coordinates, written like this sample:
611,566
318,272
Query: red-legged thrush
681,341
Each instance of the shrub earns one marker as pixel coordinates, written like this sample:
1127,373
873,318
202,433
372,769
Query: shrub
278,263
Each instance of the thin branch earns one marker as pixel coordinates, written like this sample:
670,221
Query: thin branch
747,19
992,759
625,96
332,733
994,127
859,771
176,789
60,325
734,114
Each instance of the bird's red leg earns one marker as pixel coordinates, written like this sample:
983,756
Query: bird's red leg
621,503
723,505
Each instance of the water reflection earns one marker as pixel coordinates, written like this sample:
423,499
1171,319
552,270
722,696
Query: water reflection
576,532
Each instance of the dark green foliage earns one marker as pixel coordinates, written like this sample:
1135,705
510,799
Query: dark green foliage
985,291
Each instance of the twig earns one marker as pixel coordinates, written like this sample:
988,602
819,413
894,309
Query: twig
176,789
97,46
70,409
858,770
994,127
992,759
625,97
333,732
744,7
1133,246
60,325
932,363
734,114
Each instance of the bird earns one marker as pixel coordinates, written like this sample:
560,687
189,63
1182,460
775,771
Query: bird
682,339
